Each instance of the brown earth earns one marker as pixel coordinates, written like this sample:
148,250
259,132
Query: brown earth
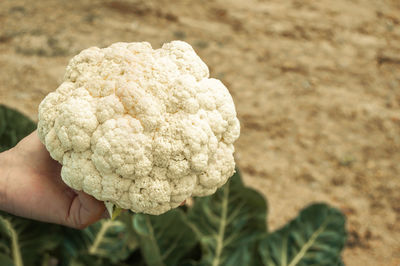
316,84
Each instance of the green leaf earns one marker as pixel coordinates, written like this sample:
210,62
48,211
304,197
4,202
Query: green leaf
5,260
229,224
86,259
3,123
315,237
29,238
340,262
73,244
8,228
164,239
13,127
4,247
110,240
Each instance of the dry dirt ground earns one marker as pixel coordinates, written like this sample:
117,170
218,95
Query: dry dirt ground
316,84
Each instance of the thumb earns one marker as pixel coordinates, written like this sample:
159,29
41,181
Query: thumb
84,211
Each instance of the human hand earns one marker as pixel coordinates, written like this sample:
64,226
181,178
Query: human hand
31,186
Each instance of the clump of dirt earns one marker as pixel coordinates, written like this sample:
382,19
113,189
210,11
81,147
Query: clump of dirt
316,84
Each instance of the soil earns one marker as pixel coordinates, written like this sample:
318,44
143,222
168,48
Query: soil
316,85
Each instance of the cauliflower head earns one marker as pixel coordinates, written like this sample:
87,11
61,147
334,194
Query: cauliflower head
140,128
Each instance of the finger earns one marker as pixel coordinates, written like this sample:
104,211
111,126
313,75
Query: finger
84,210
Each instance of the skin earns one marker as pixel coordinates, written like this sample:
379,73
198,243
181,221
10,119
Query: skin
31,187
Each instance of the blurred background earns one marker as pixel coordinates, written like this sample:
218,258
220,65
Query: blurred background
316,86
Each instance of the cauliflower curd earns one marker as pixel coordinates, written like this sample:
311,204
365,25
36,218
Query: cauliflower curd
143,129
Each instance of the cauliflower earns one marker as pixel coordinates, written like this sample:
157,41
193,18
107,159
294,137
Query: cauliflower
140,128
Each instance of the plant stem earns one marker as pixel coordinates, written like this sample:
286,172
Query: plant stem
14,243
221,230
99,237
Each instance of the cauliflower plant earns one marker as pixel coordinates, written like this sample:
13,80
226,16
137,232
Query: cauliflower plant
140,128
